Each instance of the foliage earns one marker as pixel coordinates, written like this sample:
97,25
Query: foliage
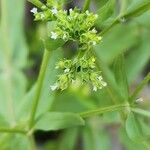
111,51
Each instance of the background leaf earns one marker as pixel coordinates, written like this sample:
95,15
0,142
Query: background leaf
57,121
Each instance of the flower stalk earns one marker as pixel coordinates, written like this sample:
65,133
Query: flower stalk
40,80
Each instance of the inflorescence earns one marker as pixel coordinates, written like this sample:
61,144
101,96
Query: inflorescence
77,26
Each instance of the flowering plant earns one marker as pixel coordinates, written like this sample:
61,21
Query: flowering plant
90,61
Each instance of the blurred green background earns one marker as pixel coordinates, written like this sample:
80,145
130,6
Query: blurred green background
21,50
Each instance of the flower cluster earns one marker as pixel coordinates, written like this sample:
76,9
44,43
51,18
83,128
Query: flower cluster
76,26
83,69
48,11
73,25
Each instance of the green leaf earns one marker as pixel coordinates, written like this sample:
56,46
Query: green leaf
69,139
128,143
141,112
116,45
137,9
57,121
13,58
139,88
121,77
133,128
138,54
95,138
16,142
105,12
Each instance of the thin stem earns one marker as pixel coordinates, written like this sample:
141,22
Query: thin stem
12,130
36,99
129,15
103,110
86,5
37,3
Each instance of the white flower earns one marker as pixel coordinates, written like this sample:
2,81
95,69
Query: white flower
93,59
54,87
66,70
34,10
99,38
70,10
100,78
94,30
42,16
54,11
87,13
139,100
103,83
54,35
64,36
96,16
94,43
94,88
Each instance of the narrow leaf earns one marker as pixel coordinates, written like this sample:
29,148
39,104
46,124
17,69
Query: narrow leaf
139,88
141,112
121,77
133,128
57,121
138,10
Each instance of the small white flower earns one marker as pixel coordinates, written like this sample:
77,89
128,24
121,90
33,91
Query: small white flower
93,59
100,78
54,11
34,10
57,67
94,88
87,12
94,43
64,36
94,30
99,38
54,35
66,70
96,16
73,81
139,100
54,87
70,10
42,16
103,83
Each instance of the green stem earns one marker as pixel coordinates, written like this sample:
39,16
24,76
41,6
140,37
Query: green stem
86,5
12,130
40,80
37,3
129,15
103,110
